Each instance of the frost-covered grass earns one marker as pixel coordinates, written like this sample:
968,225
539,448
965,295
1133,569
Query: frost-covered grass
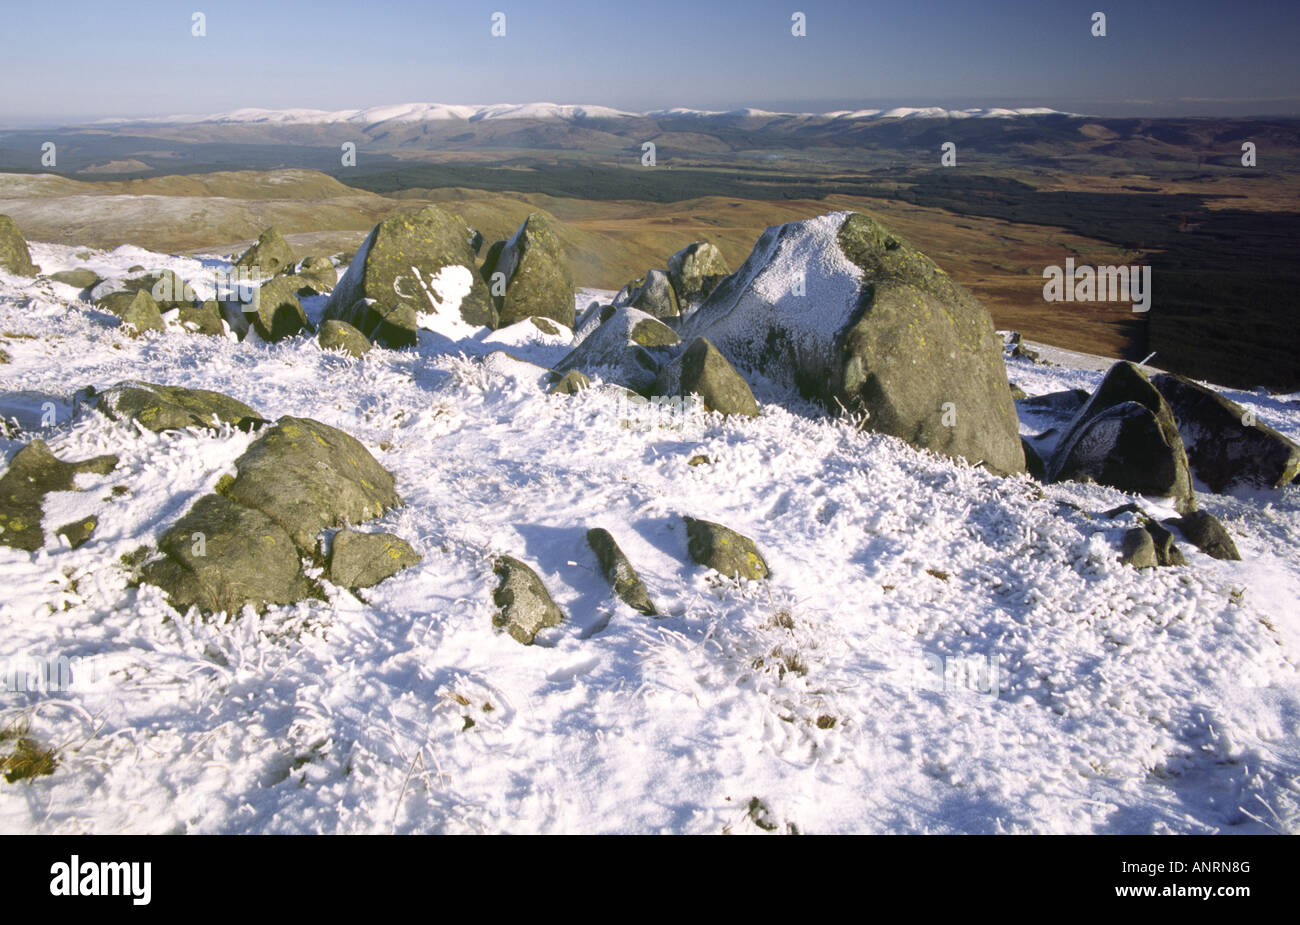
1080,695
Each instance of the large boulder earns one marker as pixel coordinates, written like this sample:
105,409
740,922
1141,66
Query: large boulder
410,265
222,556
307,476
1126,436
849,314
33,472
171,407
695,270
524,606
268,256
14,256
536,275
702,370
1226,446
274,313
629,349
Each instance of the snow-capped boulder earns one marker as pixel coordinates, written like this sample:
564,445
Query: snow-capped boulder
14,256
1125,436
1226,447
169,407
339,335
524,606
269,255
847,313
629,349
695,270
411,265
32,473
618,571
536,275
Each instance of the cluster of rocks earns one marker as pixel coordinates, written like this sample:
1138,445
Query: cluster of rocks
525,607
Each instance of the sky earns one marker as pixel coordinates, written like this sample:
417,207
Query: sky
72,61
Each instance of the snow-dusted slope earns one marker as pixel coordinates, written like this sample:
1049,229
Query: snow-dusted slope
938,649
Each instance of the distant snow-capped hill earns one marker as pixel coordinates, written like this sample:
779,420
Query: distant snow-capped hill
432,112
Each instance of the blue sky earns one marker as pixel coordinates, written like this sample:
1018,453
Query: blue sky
72,60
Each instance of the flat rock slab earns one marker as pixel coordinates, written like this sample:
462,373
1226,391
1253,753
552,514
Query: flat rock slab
169,407
33,472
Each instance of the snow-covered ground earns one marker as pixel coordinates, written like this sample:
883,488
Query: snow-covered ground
938,649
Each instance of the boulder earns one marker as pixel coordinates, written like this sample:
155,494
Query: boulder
15,258
170,407
475,240
570,383
138,311
652,294
619,572
33,472
206,318
80,278
629,349
1224,450
849,314
360,560
339,335
268,256
595,315
275,312
695,270
536,275
315,274
724,550
524,606
1166,552
222,556
1125,436
702,370
1067,401
1207,534
410,265
167,289
307,476
1138,549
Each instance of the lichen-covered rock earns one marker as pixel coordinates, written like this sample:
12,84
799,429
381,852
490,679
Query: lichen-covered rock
410,265
652,294
536,275
1208,534
339,335
524,606
15,258
724,550
702,370
269,255
204,318
847,313
1226,446
33,472
619,572
307,476
570,383
629,349
695,270
222,556
1138,549
1125,436
137,310
275,312
80,278
360,560
171,407
315,275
